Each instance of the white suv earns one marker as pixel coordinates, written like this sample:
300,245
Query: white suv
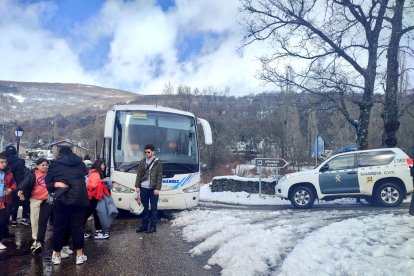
381,176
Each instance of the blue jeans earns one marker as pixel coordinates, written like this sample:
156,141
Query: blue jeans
149,217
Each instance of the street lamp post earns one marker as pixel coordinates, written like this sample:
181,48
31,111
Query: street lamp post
18,132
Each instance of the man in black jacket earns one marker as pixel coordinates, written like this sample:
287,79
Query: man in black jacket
17,167
66,178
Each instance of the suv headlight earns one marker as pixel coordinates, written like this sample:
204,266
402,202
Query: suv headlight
280,181
283,178
118,188
192,189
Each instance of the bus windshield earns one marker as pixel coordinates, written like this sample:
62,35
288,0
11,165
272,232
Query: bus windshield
173,136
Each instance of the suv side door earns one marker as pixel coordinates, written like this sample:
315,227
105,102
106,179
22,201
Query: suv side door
339,175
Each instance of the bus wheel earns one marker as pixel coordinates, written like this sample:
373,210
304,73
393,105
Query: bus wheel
302,197
389,194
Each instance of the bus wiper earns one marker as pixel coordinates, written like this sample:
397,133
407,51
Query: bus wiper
131,167
181,165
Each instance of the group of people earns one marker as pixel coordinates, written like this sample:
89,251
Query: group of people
65,188
72,190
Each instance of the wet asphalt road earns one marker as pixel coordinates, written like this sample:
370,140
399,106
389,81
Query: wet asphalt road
129,253
124,253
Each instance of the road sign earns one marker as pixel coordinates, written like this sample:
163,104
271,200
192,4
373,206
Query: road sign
271,162
318,146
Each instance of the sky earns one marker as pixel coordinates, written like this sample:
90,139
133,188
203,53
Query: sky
136,45
327,241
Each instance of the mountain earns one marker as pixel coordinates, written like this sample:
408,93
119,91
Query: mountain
32,100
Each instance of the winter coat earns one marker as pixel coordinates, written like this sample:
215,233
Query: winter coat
69,169
17,167
28,184
106,211
9,183
154,174
95,186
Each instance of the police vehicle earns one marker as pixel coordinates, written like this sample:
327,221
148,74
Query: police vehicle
381,176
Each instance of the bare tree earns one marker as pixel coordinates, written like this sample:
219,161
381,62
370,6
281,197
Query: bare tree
168,89
336,41
391,113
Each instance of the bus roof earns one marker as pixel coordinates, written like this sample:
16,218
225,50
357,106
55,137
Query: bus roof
158,108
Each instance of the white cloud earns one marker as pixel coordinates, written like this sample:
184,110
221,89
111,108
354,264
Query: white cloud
30,53
142,55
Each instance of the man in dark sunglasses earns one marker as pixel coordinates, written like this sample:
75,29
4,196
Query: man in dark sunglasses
148,183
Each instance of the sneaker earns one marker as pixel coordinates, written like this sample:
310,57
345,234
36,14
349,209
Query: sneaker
101,236
55,259
81,259
2,246
86,235
33,245
25,221
13,223
66,250
63,254
38,248
97,233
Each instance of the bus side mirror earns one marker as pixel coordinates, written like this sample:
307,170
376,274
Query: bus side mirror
208,137
109,124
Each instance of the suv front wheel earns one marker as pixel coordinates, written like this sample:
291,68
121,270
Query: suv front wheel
302,197
389,194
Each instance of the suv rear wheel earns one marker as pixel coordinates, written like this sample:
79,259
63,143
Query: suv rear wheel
389,194
302,197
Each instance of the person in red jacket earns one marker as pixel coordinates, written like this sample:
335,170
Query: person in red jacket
7,187
96,189
17,168
41,206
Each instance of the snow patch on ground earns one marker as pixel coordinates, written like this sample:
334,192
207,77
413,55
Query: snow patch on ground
244,198
299,242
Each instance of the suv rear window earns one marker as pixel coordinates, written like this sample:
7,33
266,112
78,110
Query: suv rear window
376,158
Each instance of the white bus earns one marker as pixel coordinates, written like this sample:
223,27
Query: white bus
128,128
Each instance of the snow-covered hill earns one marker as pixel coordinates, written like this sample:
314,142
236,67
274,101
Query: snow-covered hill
29,100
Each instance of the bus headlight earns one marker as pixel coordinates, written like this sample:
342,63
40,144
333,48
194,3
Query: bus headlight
118,188
192,189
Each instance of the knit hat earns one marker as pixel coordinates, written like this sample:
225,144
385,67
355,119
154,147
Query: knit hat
10,149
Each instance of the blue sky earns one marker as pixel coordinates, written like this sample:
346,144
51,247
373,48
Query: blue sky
136,45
